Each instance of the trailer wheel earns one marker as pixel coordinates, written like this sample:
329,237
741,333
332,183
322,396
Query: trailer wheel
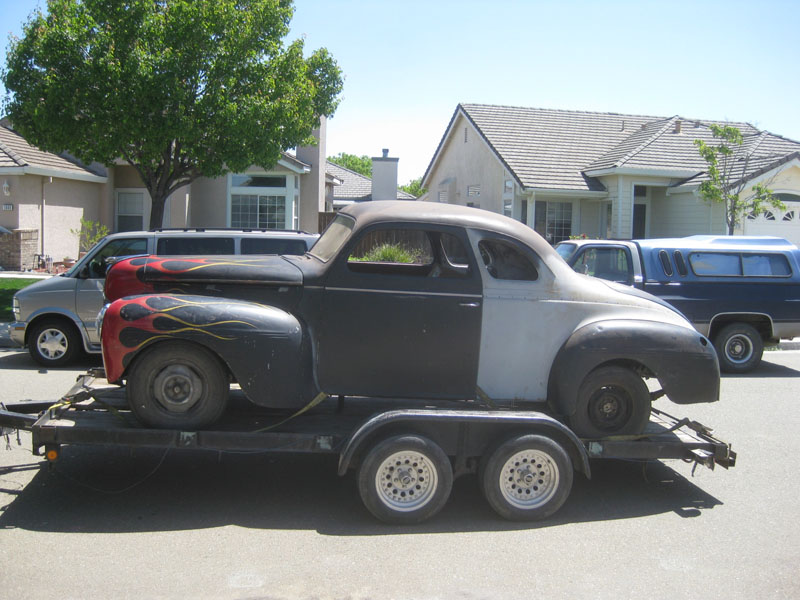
527,478
739,348
177,385
611,401
405,479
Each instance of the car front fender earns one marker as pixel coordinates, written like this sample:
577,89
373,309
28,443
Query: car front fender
684,362
262,346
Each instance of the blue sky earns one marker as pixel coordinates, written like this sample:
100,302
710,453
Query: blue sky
407,64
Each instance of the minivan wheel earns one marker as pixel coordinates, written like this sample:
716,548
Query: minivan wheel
739,348
611,401
53,343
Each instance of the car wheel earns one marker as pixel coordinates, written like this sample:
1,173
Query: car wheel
739,348
54,343
177,385
527,478
611,401
405,479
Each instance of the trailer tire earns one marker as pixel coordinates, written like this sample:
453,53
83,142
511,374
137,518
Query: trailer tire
177,385
739,348
611,401
405,479
527,478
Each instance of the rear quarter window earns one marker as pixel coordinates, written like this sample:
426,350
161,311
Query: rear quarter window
734,264
178,246
268,246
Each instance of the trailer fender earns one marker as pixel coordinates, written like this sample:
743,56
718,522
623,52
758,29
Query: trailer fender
684,361
262,346
446,428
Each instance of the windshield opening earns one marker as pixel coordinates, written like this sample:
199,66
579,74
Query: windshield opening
334,237
565,250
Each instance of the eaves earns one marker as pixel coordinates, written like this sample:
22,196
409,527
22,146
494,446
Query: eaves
676,173
45,172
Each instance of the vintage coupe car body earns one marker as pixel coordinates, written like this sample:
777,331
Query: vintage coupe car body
485,309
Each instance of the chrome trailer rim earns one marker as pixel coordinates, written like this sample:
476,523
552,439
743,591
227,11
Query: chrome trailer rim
406,481
529,479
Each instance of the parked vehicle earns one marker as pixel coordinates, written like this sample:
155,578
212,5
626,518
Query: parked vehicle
480,307
56,317
742,292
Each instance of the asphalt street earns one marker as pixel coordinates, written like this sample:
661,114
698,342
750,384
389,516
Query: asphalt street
115,523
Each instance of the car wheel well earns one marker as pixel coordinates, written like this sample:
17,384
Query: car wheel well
626,363
159,343
54,317
761,323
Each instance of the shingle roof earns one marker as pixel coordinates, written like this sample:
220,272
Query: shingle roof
563,150
355,187
16,153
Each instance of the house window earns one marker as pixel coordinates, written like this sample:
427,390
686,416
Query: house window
130,210
473,190
508,207
553,220
465,135
443,196
261,201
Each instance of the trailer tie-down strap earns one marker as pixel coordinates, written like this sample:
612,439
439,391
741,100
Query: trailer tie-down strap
82,391
319,398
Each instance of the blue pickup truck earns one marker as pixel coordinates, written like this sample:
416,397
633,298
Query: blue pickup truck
739,291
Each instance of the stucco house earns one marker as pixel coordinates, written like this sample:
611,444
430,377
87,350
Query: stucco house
605,175
45,196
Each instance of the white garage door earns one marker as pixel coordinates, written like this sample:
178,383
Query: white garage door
781,223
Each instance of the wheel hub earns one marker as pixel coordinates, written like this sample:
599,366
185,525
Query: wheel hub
609,408
52,343
177,388
406,481
739,349
528,479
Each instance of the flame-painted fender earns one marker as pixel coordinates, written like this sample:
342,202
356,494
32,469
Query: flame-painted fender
684,361
262,346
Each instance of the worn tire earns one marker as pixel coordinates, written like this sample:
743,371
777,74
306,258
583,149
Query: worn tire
739,348
177,385
405,479
527,478
611,401
54,342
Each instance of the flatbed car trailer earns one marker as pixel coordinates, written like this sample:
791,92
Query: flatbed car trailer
406,454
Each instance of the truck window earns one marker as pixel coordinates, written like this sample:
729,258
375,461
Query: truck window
765,265
715,264
609,263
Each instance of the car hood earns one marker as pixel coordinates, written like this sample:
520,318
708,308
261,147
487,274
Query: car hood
57,283
145,274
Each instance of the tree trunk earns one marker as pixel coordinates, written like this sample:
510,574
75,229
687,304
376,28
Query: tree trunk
157,211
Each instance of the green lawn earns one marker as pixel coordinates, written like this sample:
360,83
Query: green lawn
8,287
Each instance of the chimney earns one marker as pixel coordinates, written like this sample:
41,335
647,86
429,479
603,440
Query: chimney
384,177
312,184
678,126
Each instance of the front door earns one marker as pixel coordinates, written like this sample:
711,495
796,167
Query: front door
401,316
639,221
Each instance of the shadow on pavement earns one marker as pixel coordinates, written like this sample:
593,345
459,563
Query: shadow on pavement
20,360
112,490
766,369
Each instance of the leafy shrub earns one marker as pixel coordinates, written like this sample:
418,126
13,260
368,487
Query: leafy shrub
391,253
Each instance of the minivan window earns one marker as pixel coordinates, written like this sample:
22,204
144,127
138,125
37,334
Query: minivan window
119,247
181,246
253,245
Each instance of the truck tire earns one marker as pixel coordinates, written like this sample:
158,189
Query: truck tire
177,385
527,478
611,401
54,342
739,348
405,479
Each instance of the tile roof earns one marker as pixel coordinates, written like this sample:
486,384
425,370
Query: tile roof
565,150
16,153
355,187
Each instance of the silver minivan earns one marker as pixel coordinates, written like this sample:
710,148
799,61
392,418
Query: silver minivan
56,317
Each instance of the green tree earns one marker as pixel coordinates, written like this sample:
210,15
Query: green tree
414,187
359,164
728,167
178,89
